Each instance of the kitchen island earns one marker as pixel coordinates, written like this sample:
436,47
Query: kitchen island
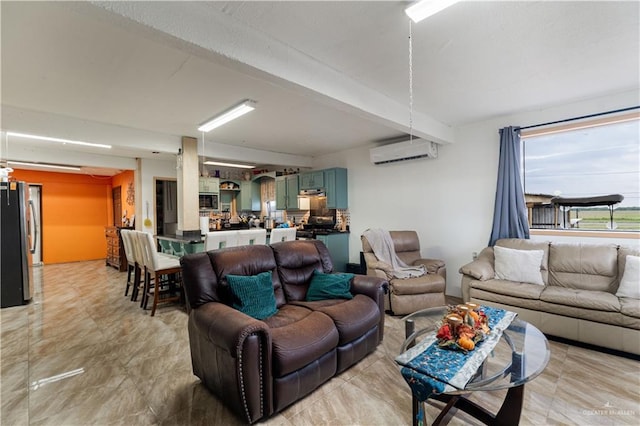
178,245
337,243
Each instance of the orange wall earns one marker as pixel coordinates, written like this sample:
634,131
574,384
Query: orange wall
123,180
75,210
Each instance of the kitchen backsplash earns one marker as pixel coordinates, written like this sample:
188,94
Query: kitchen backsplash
298,216
304,215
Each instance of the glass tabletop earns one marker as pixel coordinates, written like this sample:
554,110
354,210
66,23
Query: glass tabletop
521,354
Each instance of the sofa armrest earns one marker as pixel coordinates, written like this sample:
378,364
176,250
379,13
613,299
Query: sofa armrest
225,326
433,266
479,269
231,354
376,288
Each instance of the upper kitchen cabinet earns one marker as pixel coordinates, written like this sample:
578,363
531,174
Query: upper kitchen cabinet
249,196
311,180
209,185
335,184
287,192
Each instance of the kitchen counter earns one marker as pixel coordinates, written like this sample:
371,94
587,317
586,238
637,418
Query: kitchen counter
179,245
337,243
181,239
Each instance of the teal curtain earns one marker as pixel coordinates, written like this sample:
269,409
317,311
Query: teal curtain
510,212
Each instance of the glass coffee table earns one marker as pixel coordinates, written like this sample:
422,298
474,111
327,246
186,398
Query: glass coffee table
521,354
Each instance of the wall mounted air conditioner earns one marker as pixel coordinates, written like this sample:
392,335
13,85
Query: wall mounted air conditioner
401,151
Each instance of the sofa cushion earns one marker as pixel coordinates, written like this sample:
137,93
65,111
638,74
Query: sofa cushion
623,252
253,294
481,296
522,244
584,266
296,262
584,299
630,307
518,265
329,286
244,260
510,288
301,342
353,318
429,283
406,245
630,282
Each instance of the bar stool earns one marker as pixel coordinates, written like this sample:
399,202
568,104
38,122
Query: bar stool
282,234
139,264
156,268
165,245
251,237
220,239
177,249
131,261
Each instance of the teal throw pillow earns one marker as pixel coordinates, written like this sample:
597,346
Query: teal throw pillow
253,294
329,286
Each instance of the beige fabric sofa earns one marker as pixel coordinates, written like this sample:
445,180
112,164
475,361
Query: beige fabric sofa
577,300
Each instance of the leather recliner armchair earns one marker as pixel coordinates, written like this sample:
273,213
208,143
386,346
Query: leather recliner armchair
410,294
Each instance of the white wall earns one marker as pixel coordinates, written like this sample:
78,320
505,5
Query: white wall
448,201
148,170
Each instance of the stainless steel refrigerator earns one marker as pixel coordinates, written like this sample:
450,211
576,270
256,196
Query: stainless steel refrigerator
16,283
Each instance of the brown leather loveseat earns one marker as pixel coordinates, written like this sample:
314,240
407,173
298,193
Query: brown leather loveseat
258,367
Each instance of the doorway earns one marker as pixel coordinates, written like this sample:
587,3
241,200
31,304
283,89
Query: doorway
166,206
116,194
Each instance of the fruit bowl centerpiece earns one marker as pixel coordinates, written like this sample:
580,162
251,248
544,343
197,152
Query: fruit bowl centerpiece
462,327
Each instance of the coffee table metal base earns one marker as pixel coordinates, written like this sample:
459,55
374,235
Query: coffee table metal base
508,415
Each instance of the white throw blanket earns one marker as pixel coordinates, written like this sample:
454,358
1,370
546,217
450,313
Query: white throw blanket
382,246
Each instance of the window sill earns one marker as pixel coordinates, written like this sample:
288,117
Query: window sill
627,235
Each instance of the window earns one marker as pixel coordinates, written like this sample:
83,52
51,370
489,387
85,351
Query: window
580,162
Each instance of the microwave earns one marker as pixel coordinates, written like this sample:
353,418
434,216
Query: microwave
209,201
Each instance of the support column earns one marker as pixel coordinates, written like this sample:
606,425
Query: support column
188,201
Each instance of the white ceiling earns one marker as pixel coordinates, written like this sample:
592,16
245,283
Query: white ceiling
326,76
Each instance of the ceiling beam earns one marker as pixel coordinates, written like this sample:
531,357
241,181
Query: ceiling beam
206,31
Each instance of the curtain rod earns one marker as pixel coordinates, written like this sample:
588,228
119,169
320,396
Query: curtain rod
579,118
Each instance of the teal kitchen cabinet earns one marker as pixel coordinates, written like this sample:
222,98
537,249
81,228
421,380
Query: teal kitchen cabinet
312,180
208,185
338,246
287,192
335,183
249,196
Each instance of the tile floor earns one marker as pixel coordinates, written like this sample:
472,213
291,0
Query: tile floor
83,354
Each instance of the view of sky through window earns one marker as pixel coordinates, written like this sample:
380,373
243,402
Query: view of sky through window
587,162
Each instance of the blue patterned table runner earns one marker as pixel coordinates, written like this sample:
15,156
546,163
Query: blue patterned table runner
429,369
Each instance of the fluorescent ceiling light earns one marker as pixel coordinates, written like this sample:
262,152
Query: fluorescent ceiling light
425,8
218,163
44,165
48,139
228,115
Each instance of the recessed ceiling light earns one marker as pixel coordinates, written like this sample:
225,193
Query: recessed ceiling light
232,113
59,140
